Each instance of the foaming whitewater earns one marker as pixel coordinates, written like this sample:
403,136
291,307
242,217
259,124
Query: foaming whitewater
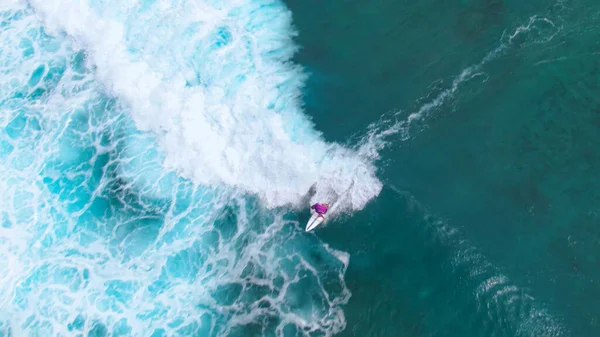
213,82
104,232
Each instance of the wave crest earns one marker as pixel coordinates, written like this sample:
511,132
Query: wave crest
213,82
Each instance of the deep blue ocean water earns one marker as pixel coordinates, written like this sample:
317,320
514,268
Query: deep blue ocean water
158,158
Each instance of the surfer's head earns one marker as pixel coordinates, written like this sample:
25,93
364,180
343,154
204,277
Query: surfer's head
326,205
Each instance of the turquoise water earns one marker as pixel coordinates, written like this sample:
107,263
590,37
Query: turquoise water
157,155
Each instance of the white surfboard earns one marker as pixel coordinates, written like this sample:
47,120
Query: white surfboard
313,222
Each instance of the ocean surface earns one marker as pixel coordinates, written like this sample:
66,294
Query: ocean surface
158,157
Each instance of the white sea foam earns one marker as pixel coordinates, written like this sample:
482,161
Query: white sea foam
213,82
98,237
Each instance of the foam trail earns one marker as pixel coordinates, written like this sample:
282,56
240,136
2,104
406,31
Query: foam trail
214,84
503,307
537,30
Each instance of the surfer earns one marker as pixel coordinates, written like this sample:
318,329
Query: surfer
318,216
321,209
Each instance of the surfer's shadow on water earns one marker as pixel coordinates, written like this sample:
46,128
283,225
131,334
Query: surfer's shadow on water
312,191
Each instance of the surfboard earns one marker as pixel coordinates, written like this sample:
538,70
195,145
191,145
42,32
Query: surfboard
313,222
